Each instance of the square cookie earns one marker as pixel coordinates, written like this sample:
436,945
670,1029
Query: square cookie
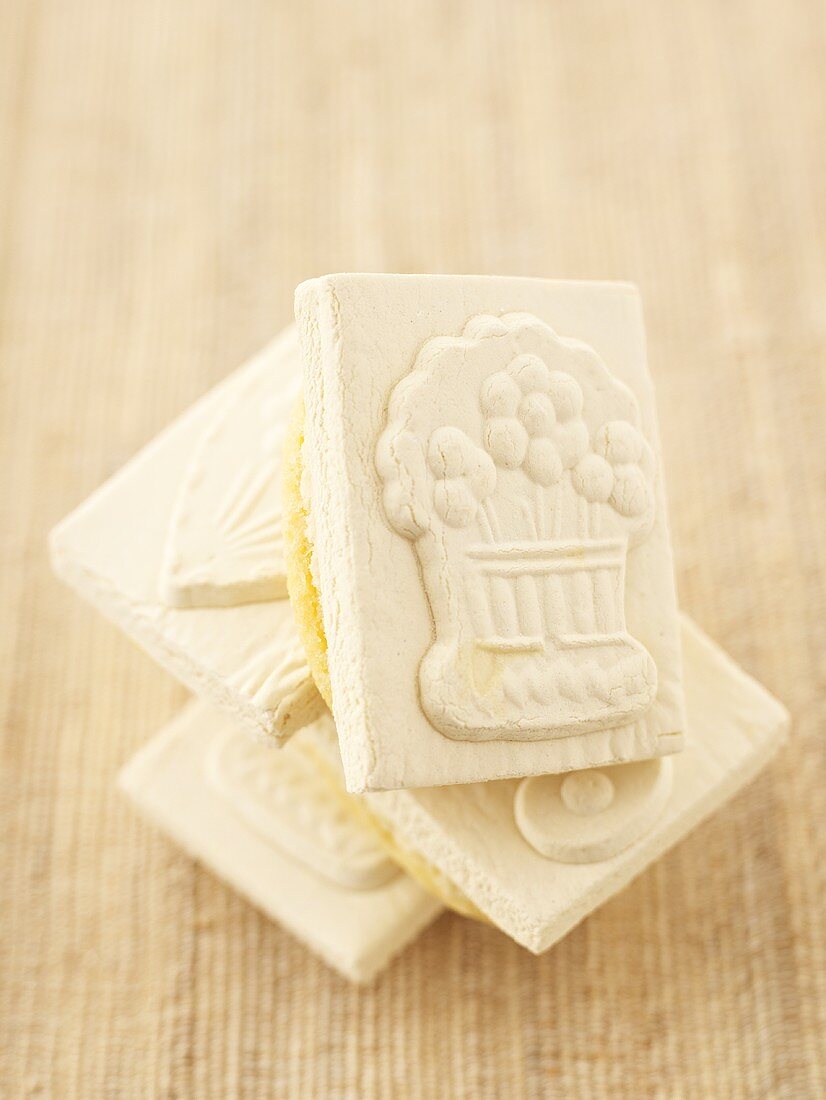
488,515
182,549
265,823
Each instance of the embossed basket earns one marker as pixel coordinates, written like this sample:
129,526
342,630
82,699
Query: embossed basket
549,654
530,592
515,462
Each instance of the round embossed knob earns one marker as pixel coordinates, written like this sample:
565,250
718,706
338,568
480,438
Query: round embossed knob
591,815
586,793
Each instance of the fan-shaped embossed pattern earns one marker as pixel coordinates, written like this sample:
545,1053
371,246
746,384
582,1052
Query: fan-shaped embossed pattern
225,545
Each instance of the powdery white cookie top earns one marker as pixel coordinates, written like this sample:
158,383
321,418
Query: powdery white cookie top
322,878
224,541
489,521
116,549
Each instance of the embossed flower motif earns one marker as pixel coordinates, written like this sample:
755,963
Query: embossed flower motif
593,479
534,419
401,464
505,437
465,475
624,448
613,472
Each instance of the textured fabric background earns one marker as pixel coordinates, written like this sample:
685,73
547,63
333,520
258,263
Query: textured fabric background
169,170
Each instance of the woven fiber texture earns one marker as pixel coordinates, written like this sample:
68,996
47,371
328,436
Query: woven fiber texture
169,170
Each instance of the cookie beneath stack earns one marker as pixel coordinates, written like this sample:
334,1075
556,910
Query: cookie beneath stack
269,824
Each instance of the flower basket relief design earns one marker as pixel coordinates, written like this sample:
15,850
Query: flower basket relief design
513,460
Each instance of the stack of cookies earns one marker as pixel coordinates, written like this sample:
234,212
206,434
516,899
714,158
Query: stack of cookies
414,561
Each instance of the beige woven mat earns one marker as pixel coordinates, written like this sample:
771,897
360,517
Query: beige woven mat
169,170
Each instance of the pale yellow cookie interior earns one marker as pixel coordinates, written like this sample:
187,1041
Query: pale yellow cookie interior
298,552
307,613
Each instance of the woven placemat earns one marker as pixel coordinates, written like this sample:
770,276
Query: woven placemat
169,170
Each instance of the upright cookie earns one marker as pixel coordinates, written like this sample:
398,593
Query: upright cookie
486,507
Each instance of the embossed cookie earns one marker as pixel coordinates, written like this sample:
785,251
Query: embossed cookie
269,825
486,509
179,542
